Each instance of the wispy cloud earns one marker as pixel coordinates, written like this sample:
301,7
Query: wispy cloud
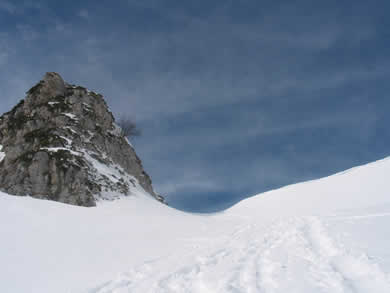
83,13
3,58
7,6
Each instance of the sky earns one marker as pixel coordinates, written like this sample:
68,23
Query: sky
234,98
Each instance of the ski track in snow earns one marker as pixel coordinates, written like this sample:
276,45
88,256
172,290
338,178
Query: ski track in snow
291,255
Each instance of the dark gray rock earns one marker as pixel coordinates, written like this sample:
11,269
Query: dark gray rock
61,143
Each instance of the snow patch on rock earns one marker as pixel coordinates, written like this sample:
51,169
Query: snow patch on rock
2,154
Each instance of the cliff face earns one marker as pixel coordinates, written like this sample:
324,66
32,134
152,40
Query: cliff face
61,143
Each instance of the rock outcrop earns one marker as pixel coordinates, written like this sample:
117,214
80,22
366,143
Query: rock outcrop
61,143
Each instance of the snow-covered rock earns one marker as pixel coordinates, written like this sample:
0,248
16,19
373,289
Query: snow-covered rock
62,143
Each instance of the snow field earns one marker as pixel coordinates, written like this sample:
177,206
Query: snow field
291,255
324,236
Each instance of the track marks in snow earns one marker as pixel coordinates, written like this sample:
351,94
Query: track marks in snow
291,255
358,273
126,282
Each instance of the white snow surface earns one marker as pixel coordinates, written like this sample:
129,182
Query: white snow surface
329,235
71,116
2,154
56,149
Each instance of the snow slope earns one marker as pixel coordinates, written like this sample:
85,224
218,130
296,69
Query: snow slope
328,235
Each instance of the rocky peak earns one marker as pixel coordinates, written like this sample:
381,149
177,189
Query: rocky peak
62,143
52,85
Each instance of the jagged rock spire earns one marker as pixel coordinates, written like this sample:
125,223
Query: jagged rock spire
52,85
61,143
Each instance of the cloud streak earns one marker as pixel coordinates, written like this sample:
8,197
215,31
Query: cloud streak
7,6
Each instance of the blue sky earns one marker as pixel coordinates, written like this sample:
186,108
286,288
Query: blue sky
234,97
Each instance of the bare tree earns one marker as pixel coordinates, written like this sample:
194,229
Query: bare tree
129,127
